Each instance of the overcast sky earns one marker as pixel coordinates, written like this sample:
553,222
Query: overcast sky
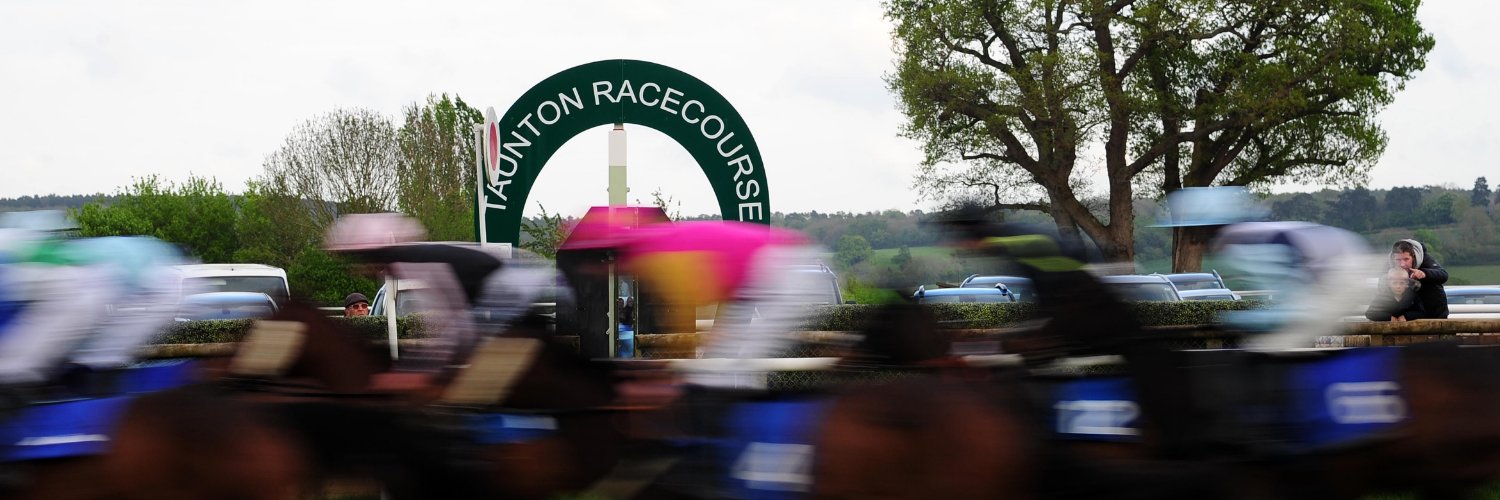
95,93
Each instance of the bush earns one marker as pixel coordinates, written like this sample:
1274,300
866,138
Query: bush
214,331
826,318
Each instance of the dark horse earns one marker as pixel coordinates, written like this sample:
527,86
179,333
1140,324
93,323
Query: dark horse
524,417
178,443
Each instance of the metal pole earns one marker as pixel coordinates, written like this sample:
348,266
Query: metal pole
617,191
479,208
390,314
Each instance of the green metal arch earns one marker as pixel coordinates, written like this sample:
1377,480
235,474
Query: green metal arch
518,144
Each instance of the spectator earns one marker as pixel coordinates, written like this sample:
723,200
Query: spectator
355,304
1410,256
1396,298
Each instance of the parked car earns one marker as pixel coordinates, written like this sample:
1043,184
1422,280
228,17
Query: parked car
410,294
1021,288
225,305
1473,302
256,278
1197,281
1208,294
1147,287
962,295
828,282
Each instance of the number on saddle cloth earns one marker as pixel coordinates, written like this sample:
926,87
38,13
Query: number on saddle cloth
62,429
770,451
1345,397
1096,409
269,349
160,375
508,428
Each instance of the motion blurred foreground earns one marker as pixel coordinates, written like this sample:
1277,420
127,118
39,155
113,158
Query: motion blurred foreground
498,402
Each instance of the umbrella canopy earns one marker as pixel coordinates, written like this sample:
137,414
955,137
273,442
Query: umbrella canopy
470,264
610,227
705,259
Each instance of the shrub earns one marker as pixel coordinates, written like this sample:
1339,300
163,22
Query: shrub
213,331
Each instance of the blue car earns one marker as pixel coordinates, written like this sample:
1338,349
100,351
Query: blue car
225,305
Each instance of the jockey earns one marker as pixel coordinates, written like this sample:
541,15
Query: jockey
455,277
146,291
62,298
1308,267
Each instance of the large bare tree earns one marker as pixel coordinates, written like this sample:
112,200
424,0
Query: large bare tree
1026,98
341,162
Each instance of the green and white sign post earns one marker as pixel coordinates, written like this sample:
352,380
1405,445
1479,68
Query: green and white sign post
515,146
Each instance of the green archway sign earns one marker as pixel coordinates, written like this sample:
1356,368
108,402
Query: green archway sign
518,144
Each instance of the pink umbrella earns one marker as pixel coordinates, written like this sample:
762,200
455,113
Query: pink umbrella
610,227
706,259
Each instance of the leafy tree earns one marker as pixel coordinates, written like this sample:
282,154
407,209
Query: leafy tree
196,214
545,234
274,225
853,249
1480,196
1476,228
1403,205
667,204
1301,207
1432,244
325,278
1170,93
435,175
902,258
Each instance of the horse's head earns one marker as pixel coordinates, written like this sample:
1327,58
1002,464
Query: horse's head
902,335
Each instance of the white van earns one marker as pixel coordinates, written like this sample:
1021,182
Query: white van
207,278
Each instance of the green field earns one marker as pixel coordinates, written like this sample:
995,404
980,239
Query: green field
1488,274
883,256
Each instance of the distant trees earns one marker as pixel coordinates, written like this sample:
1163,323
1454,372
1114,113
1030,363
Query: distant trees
1354,209
1403,205
1302,207
1480,195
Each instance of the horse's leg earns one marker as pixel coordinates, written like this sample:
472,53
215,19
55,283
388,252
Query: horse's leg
919,439
78,478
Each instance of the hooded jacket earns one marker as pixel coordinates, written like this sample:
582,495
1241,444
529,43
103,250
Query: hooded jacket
1432,296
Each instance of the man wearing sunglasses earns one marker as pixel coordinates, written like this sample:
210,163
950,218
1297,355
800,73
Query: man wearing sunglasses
356,305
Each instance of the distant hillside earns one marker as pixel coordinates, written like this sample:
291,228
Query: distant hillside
49,202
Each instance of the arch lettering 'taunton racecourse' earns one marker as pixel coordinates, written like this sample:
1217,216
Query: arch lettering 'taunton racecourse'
518,144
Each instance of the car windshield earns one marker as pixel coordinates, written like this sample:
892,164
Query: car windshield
1144,291
224,311
1484,298
964,298
1197,284
269,285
